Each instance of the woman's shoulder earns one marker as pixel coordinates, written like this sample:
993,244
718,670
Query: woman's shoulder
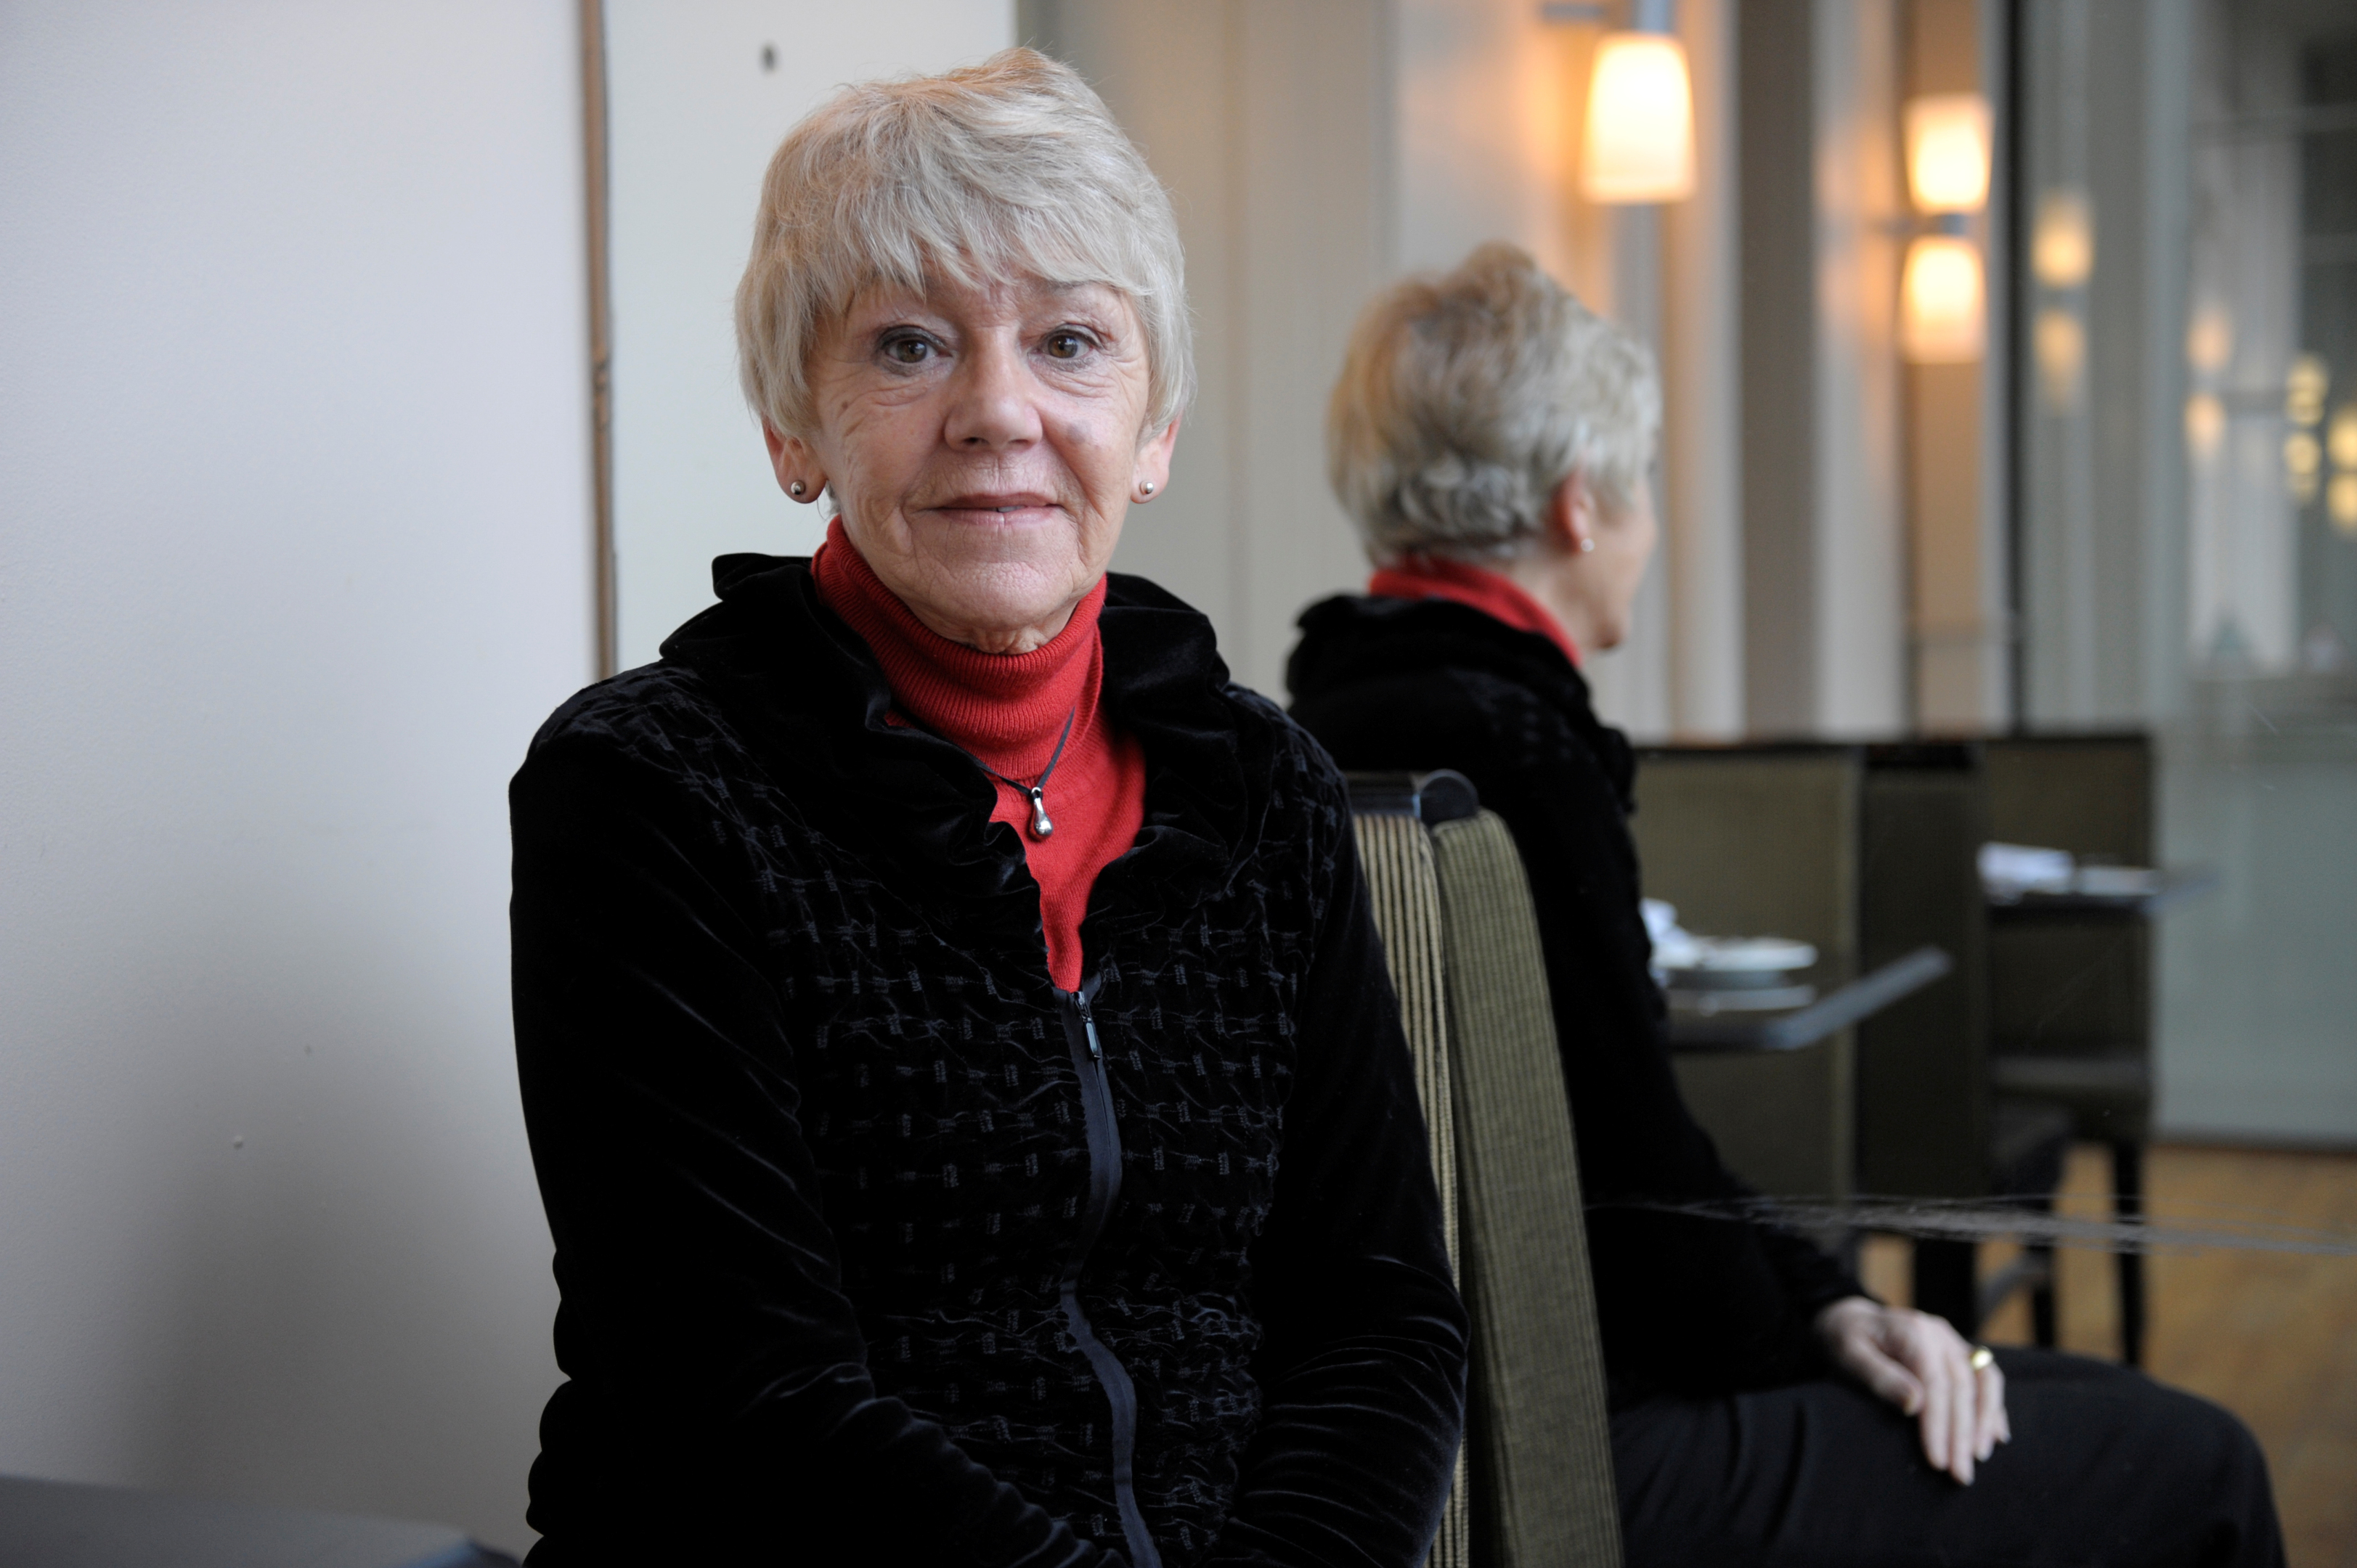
1252,775
1164,678
1390,684
1432,672
744,677
650,743
656,713
1294,751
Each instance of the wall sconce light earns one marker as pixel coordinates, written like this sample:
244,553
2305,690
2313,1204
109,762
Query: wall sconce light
2062,244
2210,338
1943,318
2303,454
2340,437
2205,426
1639,142
2340,445
2058,343
2340,501
2303,465
2304,389
1948,152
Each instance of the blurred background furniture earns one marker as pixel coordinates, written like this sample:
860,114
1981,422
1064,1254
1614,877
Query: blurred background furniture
1753,841
2071,972
60,1524
1870,854
1931,1121
1537,1474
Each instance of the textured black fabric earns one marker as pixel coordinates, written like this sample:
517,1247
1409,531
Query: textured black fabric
811,1130
2105,1467
1685,1304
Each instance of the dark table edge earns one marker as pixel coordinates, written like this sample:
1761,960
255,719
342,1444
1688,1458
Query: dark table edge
1862,998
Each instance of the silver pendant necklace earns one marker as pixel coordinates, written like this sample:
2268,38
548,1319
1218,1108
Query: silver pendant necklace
1042,825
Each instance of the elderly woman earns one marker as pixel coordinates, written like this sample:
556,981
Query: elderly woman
1490,439
969,1105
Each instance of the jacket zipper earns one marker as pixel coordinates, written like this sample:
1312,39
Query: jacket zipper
1105,1187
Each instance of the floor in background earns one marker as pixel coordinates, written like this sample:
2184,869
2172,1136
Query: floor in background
2270,1336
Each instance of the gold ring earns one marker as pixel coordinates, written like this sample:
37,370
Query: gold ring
1982,1356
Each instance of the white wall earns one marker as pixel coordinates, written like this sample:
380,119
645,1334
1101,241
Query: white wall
1483,150
1861,597
694,114
293,559
1701,563
1270,127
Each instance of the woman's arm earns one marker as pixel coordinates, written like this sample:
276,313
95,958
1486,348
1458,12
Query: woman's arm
1687,1303
720,1387
1362,1363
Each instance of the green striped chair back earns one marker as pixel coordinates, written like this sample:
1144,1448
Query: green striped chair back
1535,1481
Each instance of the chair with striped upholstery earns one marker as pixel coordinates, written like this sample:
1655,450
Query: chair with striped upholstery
1535,1483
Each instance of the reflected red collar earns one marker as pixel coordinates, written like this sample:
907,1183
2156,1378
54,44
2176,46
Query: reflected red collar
1491,592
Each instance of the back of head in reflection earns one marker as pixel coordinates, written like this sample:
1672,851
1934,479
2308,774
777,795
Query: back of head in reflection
1491,438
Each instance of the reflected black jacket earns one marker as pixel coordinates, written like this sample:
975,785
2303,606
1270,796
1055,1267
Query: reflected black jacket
1687,1304
875,1247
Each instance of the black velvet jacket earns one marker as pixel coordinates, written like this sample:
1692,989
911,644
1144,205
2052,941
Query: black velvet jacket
873,1245
1687,1304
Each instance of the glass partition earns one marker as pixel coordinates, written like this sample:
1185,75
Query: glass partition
2186,525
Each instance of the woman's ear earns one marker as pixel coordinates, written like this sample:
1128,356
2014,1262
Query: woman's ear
1153,475
1572,515
791,460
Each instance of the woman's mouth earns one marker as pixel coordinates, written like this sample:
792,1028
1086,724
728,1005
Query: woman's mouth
1023,508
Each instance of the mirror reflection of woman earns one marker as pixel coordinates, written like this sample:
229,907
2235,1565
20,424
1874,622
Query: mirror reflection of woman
1491,439
966,1093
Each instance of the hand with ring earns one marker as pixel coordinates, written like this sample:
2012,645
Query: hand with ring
1923,1366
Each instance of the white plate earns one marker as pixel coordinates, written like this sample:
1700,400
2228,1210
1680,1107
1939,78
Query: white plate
1749,955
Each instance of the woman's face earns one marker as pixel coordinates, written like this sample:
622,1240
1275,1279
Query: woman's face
983,445
1625,537
1592,561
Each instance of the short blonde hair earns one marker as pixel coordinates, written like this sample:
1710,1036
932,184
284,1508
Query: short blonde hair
1012,165
1467,398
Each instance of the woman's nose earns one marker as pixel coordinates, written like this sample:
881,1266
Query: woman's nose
991,398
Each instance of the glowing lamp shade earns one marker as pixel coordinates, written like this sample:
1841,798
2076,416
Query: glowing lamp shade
2210,338
1942,313
1639,141
2340,501
2063,246
2205,425
1948,152
2304,390
2340,437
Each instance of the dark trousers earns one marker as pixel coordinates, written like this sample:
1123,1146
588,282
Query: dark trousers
2105,1467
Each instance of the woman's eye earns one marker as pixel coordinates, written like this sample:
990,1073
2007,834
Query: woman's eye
907,351
1066,345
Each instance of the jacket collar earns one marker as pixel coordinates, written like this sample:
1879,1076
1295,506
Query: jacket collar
1348,639
811,698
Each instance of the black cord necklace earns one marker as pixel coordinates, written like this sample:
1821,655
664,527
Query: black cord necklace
1042,825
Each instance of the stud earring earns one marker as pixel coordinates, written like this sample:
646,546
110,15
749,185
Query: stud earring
1146,490
796,489
1586,545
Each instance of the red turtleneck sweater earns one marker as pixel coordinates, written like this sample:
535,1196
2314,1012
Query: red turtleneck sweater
1008,710
1492,593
